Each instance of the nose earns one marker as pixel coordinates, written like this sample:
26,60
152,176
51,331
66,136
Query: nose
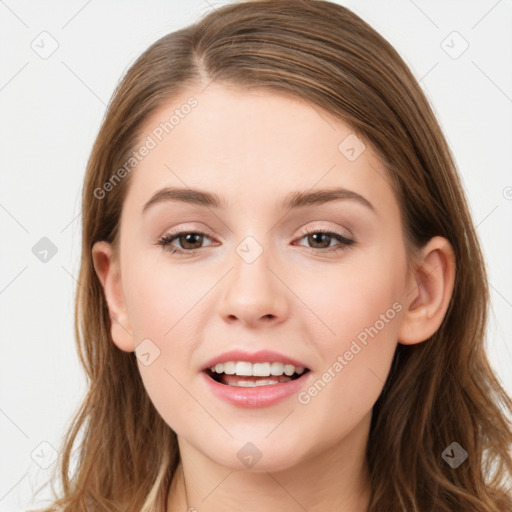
254,292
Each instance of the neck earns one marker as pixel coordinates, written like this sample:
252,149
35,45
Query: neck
333,478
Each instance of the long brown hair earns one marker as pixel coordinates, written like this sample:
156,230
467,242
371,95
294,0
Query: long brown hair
438,392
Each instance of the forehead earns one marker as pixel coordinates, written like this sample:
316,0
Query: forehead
252,146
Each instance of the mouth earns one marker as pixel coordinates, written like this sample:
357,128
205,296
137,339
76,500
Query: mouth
246,374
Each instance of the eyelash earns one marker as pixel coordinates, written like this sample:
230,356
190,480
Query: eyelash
166,240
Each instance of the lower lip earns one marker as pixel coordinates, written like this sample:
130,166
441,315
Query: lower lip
259,396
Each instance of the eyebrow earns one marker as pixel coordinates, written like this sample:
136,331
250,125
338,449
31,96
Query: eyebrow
294,200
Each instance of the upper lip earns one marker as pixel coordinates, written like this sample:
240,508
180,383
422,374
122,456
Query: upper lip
262,356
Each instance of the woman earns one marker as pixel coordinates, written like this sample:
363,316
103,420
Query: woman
233,367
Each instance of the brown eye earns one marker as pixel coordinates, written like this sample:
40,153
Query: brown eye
319,238
189,241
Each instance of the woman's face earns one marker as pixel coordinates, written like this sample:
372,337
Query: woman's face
261,276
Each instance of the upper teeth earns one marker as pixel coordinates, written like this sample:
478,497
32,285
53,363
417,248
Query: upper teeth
256,369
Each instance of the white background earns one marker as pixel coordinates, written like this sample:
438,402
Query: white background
50,112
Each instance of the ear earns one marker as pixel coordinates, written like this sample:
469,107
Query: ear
109,274
429,290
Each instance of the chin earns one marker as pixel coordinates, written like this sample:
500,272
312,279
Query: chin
258,456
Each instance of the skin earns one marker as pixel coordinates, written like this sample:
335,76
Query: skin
253,148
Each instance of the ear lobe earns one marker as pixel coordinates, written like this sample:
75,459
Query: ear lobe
107,269
429,292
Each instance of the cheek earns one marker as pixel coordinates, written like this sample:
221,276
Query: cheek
346,300
159,295
160,303
356,340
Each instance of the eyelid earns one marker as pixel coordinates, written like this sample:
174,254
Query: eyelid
344,242
331,229
173,235
303,230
